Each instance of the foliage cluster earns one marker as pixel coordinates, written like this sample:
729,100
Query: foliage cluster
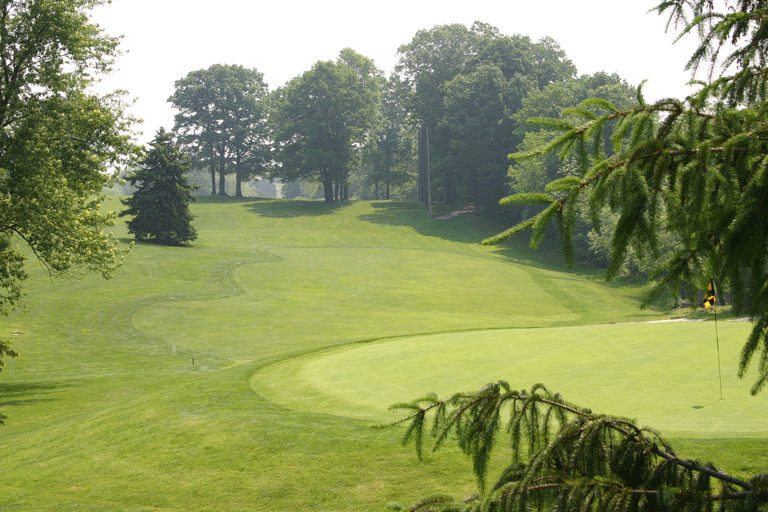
346,126
57,142
464,85
223,122
320,118
693,169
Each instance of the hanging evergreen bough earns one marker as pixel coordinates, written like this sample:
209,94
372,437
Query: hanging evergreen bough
698,168
566,458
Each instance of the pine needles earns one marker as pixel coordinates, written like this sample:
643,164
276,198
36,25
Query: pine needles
566,458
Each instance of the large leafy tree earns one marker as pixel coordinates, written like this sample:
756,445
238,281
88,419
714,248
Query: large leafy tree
393,147
160,204
57,141
478,124
445,70
322,117
223,121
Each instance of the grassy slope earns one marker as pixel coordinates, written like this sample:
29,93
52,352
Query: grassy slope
108,412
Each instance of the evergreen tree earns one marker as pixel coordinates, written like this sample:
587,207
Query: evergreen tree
160,205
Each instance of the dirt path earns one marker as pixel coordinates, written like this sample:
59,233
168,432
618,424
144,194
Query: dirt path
467,209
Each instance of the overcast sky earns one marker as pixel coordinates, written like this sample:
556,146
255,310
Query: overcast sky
163,40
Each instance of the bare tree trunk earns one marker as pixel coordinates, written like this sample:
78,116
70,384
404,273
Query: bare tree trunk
222,168
238,178
328,187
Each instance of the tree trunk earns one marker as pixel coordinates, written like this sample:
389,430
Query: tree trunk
387,165
213,179
222,167
336,189
238,178
328,187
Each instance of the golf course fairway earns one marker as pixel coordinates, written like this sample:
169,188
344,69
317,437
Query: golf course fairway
664,374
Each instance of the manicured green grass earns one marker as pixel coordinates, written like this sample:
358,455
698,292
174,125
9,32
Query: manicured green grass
137,393
663,374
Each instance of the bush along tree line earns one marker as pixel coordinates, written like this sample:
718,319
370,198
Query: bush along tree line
696,169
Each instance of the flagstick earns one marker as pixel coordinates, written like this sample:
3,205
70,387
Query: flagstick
717,340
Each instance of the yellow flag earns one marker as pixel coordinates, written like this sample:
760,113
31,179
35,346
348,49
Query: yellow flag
709,297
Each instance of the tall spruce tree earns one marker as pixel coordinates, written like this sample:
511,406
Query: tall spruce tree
160,205
699,168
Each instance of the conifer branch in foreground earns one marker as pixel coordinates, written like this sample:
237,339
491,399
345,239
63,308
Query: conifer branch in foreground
567,458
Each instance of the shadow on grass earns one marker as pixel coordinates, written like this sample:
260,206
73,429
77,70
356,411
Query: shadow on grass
26,393
286,208
467,228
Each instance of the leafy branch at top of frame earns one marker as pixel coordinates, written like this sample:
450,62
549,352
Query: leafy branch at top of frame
720,31
585,143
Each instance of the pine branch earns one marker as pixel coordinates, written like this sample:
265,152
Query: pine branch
574,463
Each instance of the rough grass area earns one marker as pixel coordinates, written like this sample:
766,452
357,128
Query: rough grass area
136,393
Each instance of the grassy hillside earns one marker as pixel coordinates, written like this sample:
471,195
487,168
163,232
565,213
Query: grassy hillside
137,393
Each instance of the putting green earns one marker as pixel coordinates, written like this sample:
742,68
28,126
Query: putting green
665,374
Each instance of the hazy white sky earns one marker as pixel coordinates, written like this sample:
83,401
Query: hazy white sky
163,40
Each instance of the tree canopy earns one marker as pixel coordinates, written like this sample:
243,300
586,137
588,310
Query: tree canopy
223,122
321,117
464,82
57,141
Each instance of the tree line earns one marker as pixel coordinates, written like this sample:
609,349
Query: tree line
350,131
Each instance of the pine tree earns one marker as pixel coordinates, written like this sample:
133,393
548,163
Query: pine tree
160,205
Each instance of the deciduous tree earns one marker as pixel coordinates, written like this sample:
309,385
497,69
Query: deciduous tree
223,121
322,117
57,142
440,69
